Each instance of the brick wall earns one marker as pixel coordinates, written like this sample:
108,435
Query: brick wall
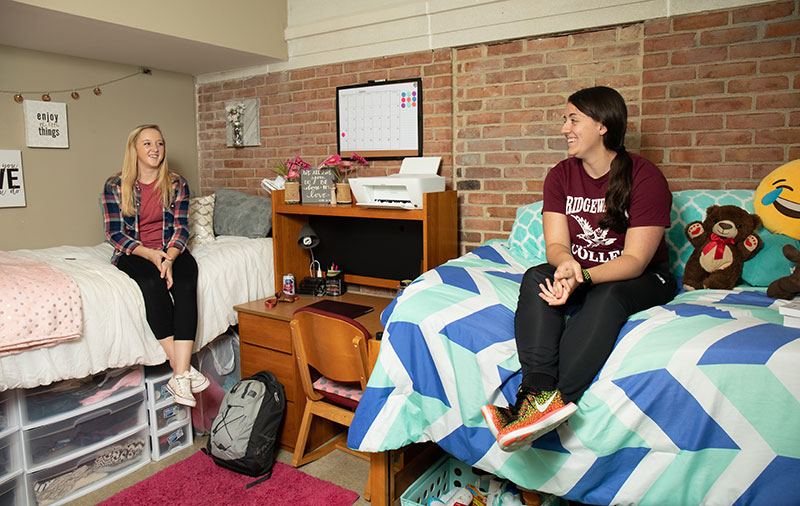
298,117
714,100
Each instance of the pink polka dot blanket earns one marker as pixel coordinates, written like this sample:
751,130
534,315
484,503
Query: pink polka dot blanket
39,305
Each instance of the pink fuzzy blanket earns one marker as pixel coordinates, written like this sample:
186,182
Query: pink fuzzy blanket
39,305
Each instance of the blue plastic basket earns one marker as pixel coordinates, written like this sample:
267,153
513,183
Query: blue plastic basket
445,474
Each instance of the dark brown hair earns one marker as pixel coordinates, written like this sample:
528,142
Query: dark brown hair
605,105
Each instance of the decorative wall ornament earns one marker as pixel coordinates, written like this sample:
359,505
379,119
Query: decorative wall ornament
12,187
242,122
19,95
46,124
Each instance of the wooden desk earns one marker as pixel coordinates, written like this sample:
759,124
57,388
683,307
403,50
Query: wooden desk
265,342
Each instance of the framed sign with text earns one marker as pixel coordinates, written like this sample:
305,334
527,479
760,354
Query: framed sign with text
46,124
12,187
315,185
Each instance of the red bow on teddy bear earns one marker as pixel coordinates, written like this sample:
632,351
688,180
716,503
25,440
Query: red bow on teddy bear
715,241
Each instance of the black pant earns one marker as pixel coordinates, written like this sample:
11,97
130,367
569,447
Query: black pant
568,354
174,315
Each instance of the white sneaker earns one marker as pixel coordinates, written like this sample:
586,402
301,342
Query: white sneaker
180,388
199,382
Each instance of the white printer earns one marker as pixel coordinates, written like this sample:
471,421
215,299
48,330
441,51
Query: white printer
402,190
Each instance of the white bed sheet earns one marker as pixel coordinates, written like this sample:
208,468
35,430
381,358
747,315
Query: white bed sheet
232,270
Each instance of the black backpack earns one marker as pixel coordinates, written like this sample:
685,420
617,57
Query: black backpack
244,435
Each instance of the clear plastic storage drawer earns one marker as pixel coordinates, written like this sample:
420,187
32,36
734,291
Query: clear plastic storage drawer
12,491
69,479
158,392
49,442
171,414
172,440
8,410
61,398
10,455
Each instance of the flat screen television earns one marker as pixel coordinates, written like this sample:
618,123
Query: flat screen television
380,119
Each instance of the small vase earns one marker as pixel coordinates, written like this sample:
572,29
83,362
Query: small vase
238,134
291,194
343,193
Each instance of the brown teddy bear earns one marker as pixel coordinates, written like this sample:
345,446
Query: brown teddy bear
722,243
787,286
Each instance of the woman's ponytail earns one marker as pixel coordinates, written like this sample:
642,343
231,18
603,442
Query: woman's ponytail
618,192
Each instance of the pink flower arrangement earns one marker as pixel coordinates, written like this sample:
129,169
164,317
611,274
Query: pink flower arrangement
342,168
293,168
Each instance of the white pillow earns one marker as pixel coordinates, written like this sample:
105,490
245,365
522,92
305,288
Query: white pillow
201,220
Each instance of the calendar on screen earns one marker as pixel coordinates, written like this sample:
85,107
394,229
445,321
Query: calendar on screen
381,119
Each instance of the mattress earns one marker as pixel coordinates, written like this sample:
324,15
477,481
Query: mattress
232,270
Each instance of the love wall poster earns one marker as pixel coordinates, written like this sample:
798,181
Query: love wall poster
12,188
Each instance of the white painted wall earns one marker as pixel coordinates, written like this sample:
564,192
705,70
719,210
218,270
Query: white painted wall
321,32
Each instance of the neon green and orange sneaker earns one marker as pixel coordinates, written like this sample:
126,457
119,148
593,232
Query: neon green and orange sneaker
496,417
538,414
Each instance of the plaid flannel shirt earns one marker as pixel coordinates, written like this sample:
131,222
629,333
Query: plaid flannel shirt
123,231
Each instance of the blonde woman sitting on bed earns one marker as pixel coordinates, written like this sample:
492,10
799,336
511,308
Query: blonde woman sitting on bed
146,216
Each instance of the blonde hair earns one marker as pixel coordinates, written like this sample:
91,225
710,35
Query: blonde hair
130,173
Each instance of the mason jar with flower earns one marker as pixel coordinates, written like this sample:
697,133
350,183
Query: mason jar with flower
343,169
290,171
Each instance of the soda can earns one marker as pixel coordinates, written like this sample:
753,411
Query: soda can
288,284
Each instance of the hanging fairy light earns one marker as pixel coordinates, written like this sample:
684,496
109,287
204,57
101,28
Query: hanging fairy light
74,92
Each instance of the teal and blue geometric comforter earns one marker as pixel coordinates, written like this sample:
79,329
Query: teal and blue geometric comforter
699,403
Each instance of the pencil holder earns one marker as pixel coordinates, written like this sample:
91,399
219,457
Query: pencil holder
334,284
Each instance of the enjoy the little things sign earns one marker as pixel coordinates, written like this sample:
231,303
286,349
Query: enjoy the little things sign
46,124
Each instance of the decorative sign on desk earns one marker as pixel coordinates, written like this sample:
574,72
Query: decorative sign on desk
315,185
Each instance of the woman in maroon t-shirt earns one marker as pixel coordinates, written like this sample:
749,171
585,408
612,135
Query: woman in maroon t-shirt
604,215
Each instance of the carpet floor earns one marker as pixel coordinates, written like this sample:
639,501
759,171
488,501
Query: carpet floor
198,481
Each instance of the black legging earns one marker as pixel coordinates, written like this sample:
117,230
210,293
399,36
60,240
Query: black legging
167,316
554,353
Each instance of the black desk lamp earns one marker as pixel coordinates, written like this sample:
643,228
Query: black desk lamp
307,239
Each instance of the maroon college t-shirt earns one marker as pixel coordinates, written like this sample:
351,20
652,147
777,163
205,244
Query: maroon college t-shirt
569,190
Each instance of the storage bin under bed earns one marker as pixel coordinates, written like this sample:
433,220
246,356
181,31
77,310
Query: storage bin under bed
42,404
92,425
69,478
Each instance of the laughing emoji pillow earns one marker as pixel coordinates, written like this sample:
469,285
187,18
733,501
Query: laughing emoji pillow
777,200
777,203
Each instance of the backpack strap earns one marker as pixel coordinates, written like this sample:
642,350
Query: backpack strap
263,478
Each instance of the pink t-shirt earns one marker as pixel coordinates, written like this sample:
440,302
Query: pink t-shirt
151,216
569,190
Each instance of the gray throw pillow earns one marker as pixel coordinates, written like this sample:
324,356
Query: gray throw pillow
242,214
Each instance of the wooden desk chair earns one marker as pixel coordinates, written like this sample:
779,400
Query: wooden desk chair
331,353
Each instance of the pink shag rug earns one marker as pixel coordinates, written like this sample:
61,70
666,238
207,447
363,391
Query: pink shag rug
197,481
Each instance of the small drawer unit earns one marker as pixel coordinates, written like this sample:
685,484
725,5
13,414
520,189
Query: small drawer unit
46,443
75,475
9,411
170,422
171,439
47,403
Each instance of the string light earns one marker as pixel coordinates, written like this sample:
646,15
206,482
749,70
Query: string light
96,88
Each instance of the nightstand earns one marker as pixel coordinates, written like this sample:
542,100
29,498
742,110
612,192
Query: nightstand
265,342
